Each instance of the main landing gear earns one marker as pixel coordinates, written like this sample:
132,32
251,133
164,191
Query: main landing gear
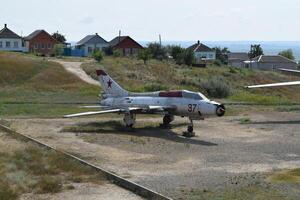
167,120
190,130
129,119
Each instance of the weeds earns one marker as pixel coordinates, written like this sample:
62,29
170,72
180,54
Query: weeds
244,120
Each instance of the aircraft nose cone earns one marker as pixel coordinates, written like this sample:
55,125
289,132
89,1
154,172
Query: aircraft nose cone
220,111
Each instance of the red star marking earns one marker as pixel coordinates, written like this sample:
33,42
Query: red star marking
109,83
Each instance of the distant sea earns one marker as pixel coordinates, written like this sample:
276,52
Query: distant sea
269,47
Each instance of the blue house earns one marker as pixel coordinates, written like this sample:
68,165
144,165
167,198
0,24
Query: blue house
91,43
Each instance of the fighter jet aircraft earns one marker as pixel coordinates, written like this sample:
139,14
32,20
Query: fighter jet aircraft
292,83
182,103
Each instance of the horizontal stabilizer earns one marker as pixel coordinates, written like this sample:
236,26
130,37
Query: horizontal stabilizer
93,113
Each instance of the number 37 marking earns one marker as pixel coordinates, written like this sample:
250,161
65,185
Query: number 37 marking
192,107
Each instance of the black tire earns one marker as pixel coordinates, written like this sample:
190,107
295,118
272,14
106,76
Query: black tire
167,120
190,129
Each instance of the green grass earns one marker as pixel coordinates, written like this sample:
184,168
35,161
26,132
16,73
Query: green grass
25,78
38,170
256,192
286,176
134,75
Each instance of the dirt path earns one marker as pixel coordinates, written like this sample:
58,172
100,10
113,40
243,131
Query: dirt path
74,68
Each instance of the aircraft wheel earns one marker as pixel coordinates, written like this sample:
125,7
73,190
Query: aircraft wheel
190,129
168,119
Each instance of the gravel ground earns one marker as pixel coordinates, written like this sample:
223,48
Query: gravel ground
223,151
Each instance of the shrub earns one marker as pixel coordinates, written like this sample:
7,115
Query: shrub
144,55
157,51
6,192
154,87
58,50
218,63
117,53
48,184
97,55
175,51
108,50
189,57
216,87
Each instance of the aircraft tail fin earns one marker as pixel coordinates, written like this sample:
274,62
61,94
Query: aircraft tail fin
110,86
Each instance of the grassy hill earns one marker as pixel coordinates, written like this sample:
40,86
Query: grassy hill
134,75
25,78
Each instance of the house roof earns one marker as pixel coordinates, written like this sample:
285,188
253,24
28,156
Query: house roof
199,47
7,33
272,59
33,34
91,39
117,40
238,56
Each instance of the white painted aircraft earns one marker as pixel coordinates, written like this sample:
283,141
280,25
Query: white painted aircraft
292,83
182,103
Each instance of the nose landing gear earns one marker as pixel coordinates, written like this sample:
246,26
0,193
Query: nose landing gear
190,130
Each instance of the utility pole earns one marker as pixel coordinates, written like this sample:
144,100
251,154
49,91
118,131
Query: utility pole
160,40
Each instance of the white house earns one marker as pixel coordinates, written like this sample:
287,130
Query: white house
10,41
202,52
91,43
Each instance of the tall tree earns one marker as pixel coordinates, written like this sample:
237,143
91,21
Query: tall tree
288,54
59,37
157,51
255,51
222,54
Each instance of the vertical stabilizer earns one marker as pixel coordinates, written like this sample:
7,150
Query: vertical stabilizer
110,86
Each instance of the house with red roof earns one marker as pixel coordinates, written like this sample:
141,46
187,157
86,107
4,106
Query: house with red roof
40,42
126,45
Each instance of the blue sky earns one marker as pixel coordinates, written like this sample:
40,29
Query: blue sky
215,20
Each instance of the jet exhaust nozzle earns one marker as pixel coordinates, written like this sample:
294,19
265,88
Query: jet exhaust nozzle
220,111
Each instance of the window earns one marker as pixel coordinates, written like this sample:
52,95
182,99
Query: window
16,44
49,46
90,49
43,46
0,44
211,55
39,46
36,46
7,44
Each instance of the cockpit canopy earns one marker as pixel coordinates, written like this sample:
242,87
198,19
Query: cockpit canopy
193,95
183,94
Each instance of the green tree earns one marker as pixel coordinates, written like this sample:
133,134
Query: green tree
222,54
97,55
144,55
175,51
59,37
157,51
58,50
288,54
255,51
189,57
